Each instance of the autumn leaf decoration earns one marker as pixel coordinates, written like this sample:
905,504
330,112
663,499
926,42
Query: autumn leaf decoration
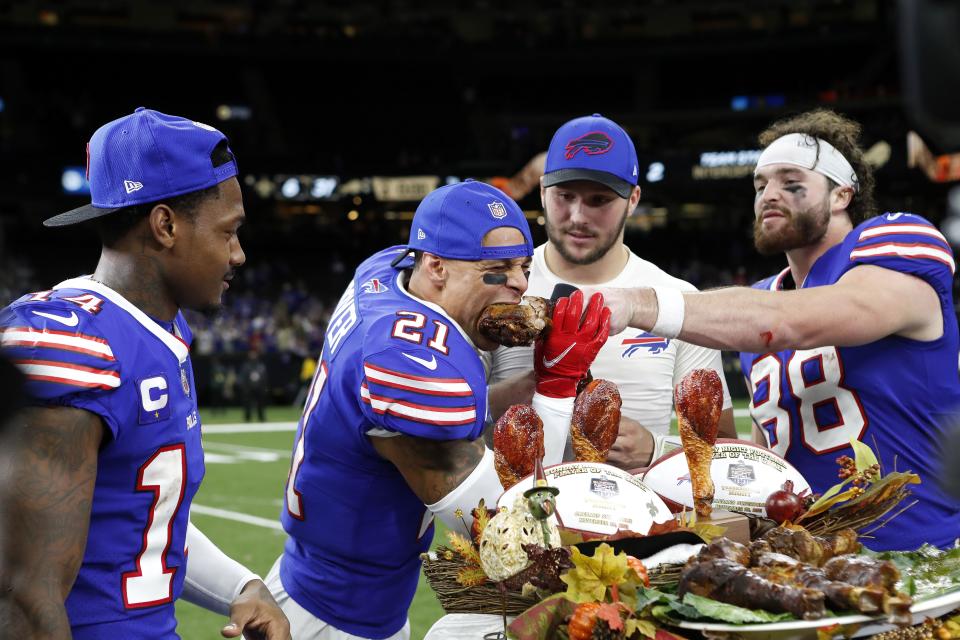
602,591
868,489
608,579
472,574
592,577
481,516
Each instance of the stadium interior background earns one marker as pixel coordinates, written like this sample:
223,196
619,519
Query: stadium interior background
343,115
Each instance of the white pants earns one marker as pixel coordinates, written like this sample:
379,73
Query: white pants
306,626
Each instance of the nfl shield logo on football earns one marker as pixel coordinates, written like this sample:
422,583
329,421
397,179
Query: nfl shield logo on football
497,210
740,474
373,285
604,487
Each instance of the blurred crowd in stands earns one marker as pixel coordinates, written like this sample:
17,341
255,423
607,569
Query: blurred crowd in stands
261,348
267,311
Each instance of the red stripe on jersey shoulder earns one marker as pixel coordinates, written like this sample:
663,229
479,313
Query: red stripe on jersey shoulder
68,381
48,344
68,365
401,374
911,250
425,407
72,334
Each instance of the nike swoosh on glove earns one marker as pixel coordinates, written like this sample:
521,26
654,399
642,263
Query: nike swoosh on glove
564,354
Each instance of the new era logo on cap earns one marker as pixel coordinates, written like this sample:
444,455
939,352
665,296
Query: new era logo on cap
132,186
421,235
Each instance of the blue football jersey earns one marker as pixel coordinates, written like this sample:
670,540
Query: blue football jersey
896,395
392,364
83,345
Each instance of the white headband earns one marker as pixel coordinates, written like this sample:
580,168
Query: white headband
810,153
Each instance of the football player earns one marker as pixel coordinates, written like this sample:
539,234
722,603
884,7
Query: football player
855,340
389,434
588,188
108,458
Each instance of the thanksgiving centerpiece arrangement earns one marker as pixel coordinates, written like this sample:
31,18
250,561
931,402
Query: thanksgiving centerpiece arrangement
515,555
556,550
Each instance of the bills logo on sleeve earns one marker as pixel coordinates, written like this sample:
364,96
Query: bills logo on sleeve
643,340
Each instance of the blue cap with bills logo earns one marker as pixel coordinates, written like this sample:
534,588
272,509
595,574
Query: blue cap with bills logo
146,157
592,148
452,221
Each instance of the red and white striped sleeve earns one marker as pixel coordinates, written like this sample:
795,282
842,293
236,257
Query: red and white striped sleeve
416,392
907,243
58,360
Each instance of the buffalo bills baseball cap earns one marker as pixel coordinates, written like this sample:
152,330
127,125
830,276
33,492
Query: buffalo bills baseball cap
146,157
592,148
452,221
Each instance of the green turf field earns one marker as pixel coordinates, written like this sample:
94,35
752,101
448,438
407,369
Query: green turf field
246,473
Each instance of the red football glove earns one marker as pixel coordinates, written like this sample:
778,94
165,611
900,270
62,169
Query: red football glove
563,355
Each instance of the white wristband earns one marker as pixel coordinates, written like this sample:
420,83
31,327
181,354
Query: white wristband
213,580
669,314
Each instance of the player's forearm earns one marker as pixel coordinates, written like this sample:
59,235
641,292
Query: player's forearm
736,318
46,512
32,614
741,319
450,477
432,468
213,580
722,319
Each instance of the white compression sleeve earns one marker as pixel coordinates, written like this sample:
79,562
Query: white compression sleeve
213,580
555,413
483,482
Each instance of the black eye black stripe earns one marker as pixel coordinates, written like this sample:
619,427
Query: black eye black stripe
495,278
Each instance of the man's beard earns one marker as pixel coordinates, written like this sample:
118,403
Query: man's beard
555,236
802,229
210,311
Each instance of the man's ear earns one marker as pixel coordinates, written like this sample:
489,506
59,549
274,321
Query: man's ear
634,198
434,268
163,225
543,195
840,198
